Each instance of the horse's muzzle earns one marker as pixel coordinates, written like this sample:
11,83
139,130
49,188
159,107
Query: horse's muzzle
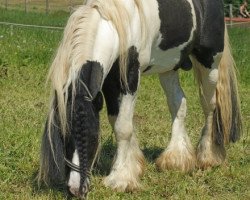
81,192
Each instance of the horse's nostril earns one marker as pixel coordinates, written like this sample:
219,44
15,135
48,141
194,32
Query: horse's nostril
75,192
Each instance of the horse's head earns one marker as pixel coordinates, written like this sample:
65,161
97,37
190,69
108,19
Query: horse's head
78,180
81,145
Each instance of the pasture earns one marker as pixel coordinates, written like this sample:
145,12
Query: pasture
25,56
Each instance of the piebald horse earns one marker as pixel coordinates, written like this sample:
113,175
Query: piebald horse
106,47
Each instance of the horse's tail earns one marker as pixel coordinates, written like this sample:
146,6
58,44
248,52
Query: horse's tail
227,115
52,166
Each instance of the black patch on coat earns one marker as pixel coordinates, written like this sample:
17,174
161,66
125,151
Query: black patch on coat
176,22
148,68
113,87
92,75
133,66
186,64
98,102
204,55
213,25
210,30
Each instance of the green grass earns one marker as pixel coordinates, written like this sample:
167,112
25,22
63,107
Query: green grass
57,18
25,55
40,5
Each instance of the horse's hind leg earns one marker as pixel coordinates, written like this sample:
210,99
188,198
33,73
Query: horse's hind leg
209,152
179,154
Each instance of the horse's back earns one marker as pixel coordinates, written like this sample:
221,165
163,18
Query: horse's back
187,27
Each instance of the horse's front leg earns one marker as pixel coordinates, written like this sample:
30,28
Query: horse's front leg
129,160
179,154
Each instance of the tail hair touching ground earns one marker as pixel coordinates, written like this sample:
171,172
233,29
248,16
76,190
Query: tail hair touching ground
227,124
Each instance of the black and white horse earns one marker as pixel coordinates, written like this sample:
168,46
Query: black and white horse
107,45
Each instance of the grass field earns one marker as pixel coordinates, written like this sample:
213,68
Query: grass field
40,5
25,55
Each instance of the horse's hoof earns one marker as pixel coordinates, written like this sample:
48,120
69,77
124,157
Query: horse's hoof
174,159
208,158
121,183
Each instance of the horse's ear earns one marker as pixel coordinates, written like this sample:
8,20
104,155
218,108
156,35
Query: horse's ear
92,75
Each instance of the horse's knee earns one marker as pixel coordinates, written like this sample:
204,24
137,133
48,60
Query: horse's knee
123,129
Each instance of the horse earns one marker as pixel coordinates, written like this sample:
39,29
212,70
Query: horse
106,46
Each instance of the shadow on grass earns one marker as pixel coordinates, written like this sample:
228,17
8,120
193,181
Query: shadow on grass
54,190
105,158
101,168
152,153
107,154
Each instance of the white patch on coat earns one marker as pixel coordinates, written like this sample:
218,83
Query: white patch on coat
124,123
74,177
106,45
153,23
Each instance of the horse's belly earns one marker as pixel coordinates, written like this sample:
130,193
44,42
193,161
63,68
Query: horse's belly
162,61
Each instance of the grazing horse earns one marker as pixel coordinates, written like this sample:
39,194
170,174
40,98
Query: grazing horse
107,45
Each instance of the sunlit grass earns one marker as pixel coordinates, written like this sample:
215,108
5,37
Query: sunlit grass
57,18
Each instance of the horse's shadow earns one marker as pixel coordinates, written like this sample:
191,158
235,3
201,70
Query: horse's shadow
38,189
107,155
101,168
105,158
152,153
